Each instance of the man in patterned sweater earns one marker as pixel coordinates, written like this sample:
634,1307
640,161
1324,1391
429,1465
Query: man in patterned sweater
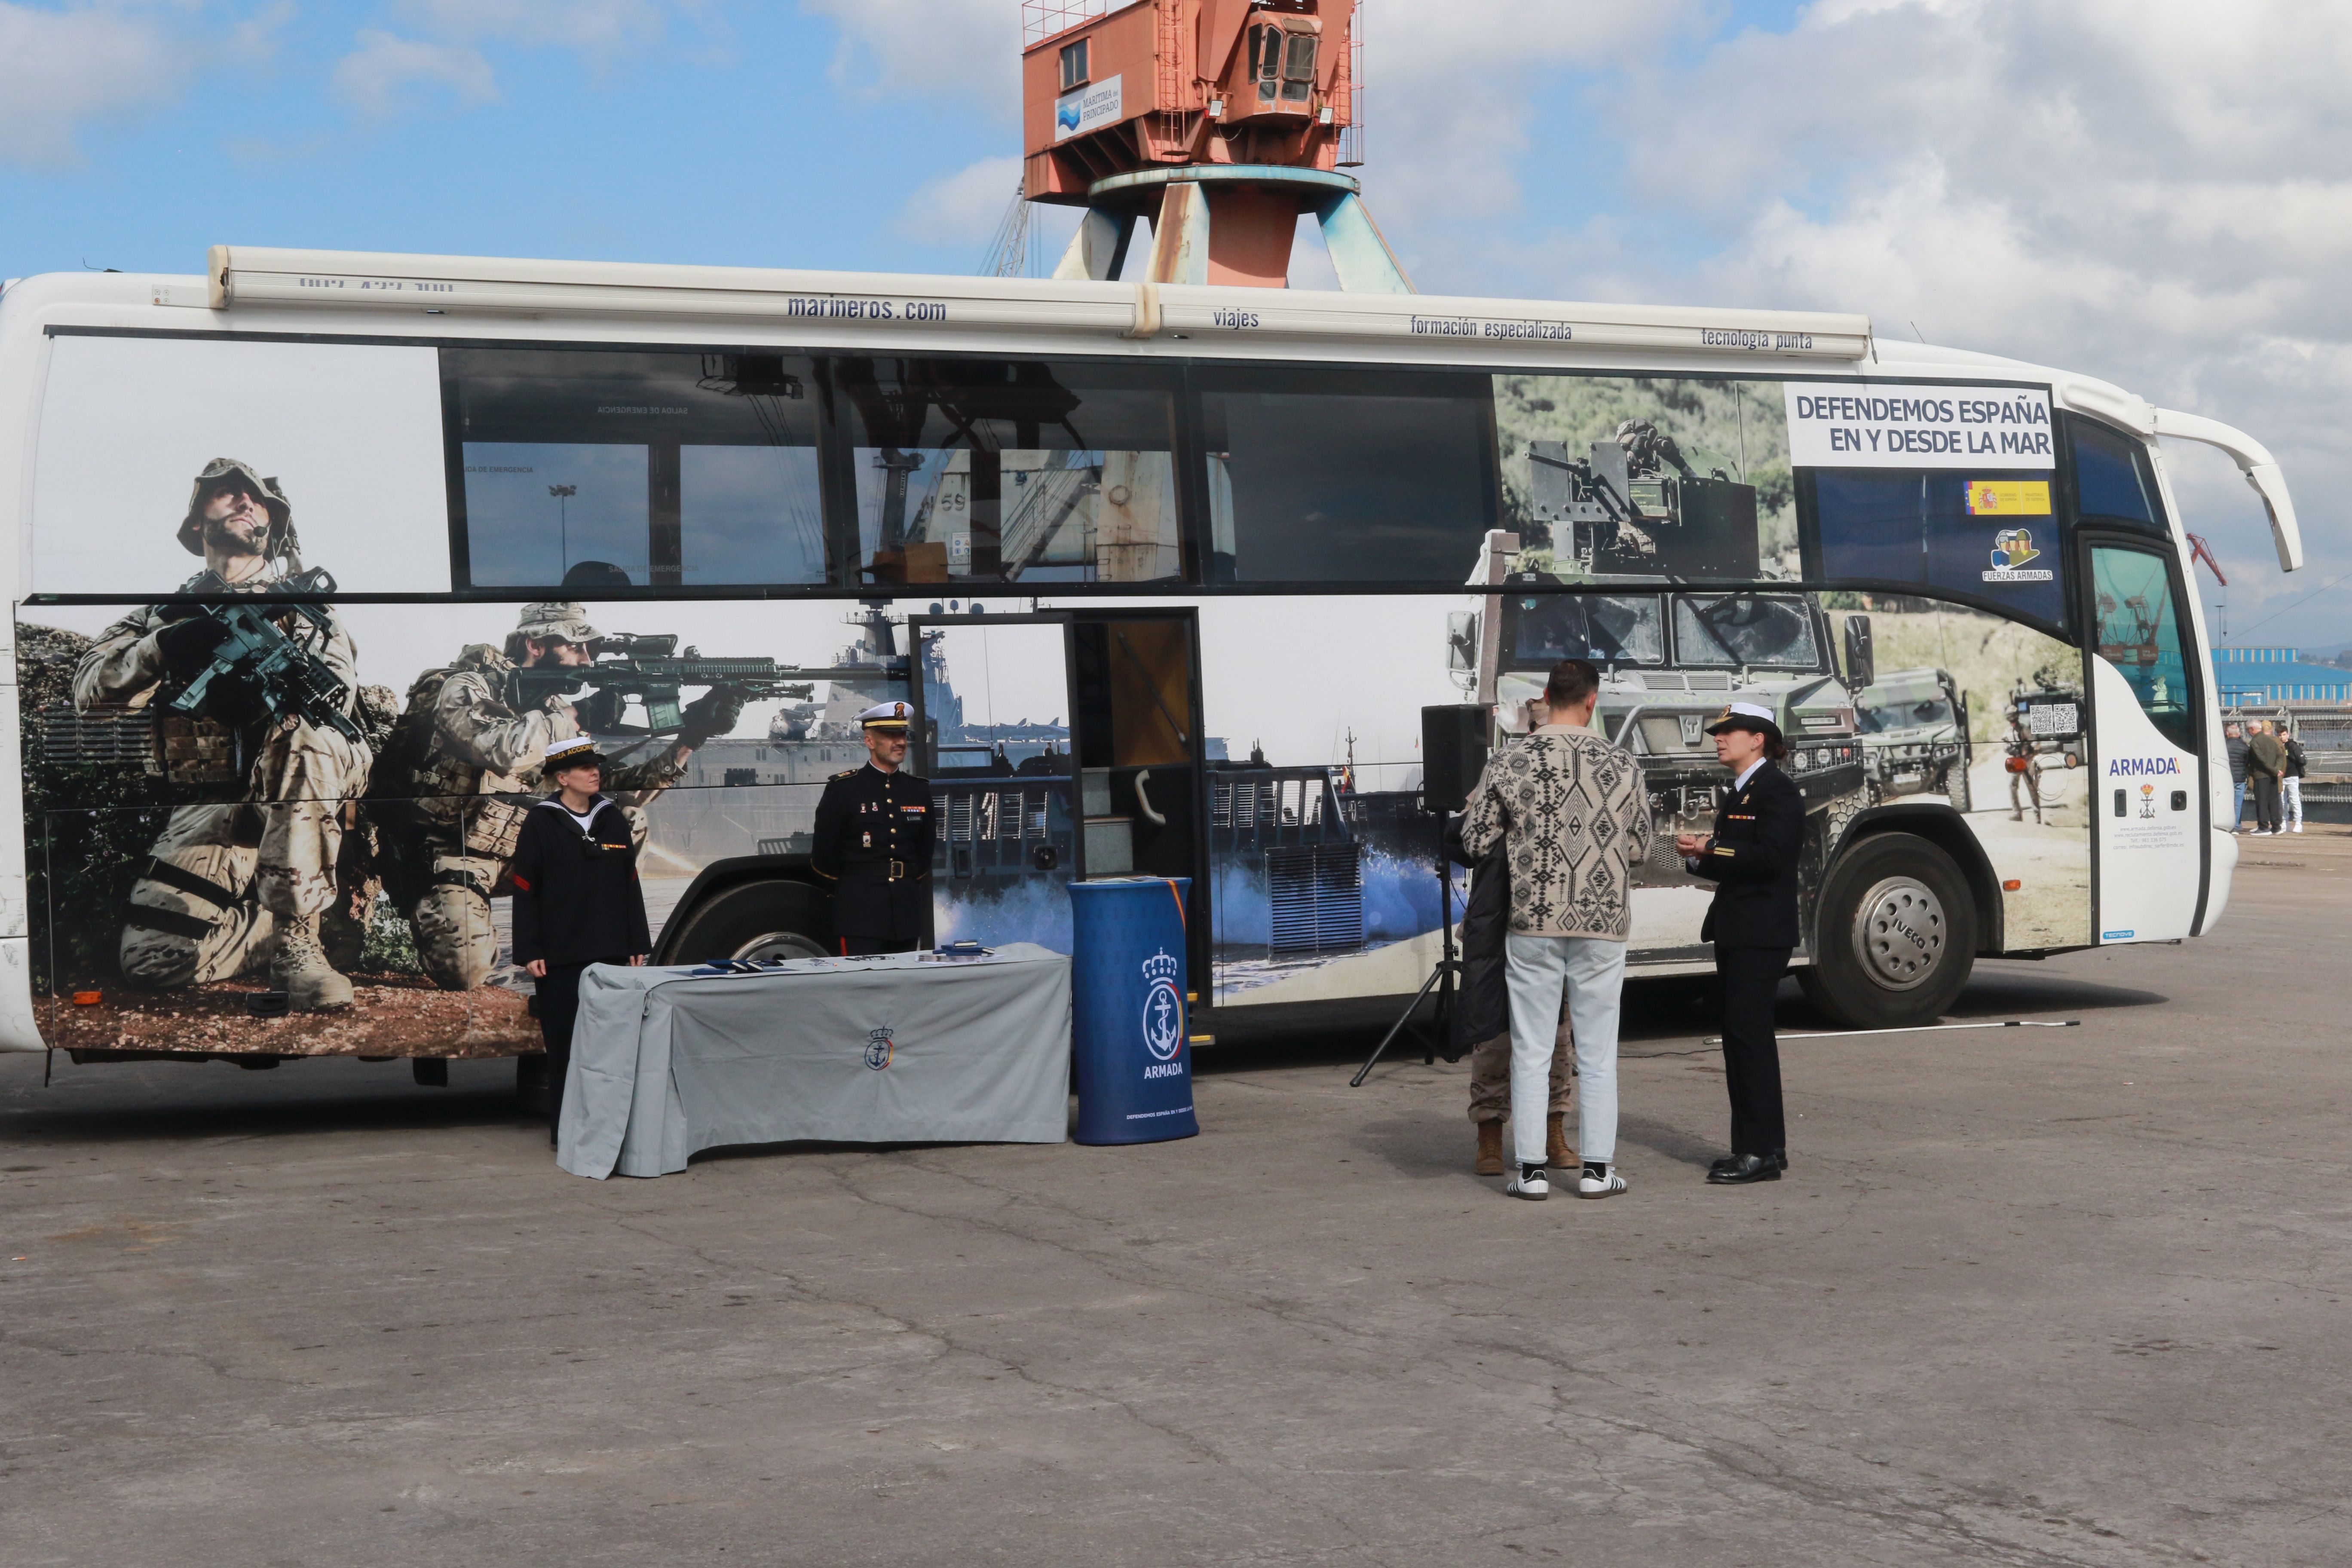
1574,819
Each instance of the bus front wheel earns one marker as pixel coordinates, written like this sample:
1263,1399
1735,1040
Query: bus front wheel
754,920
1895,936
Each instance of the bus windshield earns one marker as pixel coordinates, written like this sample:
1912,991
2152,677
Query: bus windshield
1613,628
1747,629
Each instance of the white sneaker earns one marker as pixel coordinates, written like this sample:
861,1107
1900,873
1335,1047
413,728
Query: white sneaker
1606,1185
1532,1182
2296,828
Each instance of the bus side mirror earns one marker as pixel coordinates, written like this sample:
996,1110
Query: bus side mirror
1462,642
1860,668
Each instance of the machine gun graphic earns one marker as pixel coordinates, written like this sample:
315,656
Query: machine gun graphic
1637,506
253,672
649,668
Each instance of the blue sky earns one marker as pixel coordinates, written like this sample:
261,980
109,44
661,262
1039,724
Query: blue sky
2151,191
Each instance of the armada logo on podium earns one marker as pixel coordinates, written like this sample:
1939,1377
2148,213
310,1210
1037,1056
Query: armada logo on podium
1163,1007
879,1048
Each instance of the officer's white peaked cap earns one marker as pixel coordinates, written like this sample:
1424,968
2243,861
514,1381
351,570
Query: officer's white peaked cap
1745,716
886,716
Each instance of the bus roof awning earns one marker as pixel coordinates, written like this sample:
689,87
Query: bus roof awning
932,307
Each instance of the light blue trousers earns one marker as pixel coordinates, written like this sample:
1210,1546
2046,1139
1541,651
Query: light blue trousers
1592,972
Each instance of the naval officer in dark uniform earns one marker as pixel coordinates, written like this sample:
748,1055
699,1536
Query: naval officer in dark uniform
873,830
1751,857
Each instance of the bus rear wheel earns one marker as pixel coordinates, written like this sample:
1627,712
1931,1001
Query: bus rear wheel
754,920
1895,936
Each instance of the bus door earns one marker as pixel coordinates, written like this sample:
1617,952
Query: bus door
2148,802
1137,680
1058,746
992,733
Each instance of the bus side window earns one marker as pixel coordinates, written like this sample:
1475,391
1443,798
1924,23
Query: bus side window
2113,480
1991,536
2138,631
1355,476
1013,470
595,468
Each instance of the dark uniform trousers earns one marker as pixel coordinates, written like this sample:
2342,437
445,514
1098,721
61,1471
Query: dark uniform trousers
1751,1053
873,847
559,1009
1752,858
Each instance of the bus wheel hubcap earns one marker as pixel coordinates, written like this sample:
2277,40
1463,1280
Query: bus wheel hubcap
778,944
1899,932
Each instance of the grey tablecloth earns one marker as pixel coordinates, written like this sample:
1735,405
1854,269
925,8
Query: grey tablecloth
903,1048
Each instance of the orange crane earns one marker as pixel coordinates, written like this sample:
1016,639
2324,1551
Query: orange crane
1222,121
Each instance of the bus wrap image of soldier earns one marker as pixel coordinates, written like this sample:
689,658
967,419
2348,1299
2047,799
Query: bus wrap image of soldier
233,883
462,769
873,843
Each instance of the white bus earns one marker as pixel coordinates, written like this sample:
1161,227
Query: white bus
1173,575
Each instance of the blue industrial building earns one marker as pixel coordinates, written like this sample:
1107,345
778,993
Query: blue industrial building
2252,677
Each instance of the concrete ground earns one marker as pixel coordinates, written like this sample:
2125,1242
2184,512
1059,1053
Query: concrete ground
2032,1297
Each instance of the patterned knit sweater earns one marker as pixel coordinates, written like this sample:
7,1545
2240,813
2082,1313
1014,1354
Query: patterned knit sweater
1575,819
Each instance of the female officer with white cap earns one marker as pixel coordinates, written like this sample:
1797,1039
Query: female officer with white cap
1751,857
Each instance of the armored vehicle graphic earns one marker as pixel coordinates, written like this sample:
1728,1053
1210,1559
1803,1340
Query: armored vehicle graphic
1884,898
1915,736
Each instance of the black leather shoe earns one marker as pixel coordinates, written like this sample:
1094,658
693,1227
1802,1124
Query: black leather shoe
1744,1169
1779,1157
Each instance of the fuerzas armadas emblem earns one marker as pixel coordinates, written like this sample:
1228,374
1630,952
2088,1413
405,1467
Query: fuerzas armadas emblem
878,1049
1163,1007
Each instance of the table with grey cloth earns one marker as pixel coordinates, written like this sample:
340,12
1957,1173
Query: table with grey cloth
901,1049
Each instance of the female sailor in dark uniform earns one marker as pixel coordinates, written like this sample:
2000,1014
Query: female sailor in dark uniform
1751,857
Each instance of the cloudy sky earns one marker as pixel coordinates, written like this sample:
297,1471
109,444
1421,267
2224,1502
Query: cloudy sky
2154,191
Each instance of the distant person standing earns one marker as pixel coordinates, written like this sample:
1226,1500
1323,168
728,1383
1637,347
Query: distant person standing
1751,857
2265,763
2291,786
577,900
1572,812
2235,744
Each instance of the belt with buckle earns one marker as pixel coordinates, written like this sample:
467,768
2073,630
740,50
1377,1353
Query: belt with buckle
898,871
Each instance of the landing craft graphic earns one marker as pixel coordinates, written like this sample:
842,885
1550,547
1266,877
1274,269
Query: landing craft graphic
1163,1007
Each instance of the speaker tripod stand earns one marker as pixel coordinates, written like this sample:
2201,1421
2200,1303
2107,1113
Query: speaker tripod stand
1443,975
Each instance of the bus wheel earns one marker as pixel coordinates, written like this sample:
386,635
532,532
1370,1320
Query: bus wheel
1895,936
755,920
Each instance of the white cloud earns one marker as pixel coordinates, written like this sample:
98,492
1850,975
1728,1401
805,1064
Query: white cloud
61,69
2154,192
963,208
967,49
374,75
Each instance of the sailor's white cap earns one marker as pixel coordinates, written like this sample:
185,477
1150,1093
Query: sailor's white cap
1745,716
576,751
886,716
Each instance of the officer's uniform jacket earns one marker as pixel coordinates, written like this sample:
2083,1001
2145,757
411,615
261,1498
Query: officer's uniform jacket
123,668
873,846
1760,834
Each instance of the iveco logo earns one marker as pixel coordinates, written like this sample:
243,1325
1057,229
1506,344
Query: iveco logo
1913,936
